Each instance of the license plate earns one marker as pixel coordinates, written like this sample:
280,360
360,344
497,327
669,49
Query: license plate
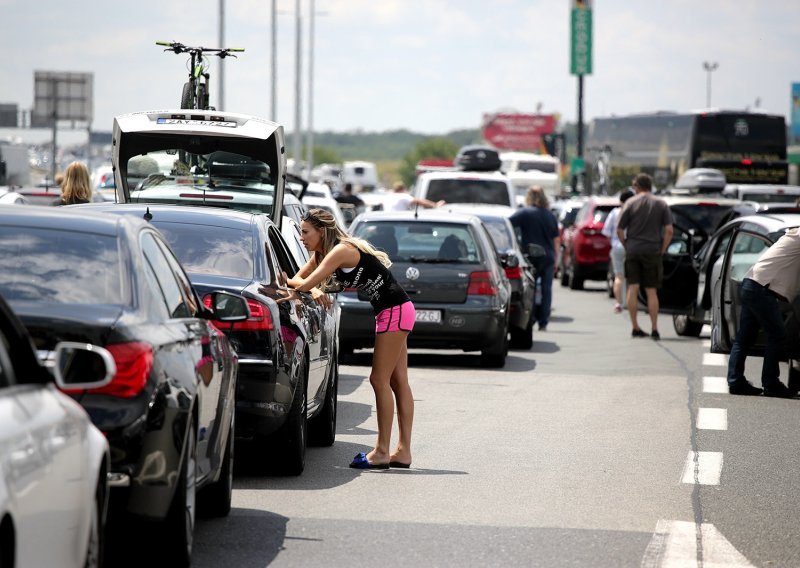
433,316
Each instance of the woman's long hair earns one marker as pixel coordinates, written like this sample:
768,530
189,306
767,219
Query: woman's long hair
333,234
77,187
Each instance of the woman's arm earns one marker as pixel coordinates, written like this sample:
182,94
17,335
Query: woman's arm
304,271
340,255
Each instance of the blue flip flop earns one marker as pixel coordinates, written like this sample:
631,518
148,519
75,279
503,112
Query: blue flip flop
361,462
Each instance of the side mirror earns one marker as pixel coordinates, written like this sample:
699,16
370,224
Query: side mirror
229,307
509,259
82,366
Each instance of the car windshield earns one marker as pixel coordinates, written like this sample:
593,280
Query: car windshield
501,237
705,217
53,266
221,251
223,179
422,241
545,167
467,190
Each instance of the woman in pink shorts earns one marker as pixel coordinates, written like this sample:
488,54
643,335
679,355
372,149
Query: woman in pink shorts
354,263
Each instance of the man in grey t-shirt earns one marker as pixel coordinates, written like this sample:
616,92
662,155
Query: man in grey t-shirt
645,230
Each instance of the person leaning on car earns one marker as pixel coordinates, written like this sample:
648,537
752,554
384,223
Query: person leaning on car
645,230
775,276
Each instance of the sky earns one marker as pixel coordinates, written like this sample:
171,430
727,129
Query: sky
429,66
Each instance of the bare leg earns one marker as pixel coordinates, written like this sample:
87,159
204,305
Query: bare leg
388,347
618,289
405,407
652,306
633,293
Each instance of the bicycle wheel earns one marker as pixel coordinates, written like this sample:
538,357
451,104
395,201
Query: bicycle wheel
202,96
186,96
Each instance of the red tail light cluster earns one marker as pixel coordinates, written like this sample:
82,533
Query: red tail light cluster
260,317
481,284
514,273
134,361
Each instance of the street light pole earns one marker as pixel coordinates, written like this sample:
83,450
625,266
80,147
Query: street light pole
221,98
296,143
310,133
274,64
710,68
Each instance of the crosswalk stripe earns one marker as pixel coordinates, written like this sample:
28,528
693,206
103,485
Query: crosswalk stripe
675,545
715,359
712,418
715,384
703,468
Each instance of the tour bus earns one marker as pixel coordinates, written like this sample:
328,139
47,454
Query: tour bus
747,147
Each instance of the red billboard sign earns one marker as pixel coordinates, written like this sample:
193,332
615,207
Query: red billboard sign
517,131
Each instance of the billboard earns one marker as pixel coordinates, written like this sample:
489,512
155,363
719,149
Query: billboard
521,132
64,94
796,110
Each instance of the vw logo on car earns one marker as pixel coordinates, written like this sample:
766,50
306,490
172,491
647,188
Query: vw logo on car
412,273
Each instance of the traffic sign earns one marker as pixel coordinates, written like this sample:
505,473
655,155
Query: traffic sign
581,47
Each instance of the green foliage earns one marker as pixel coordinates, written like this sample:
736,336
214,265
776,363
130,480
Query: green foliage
326,155
431,148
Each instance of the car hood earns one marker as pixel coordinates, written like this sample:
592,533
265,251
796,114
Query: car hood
200,131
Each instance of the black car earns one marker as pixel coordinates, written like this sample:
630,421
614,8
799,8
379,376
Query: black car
168,413
448,265
738,245
520,272
288,365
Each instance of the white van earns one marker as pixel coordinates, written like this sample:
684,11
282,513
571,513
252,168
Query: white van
525,169
465,187
360,174
763,193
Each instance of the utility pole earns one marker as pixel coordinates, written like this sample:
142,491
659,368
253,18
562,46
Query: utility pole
310,133
221,99
296,145
274,63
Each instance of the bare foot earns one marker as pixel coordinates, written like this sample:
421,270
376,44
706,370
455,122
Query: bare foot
400,457
376,458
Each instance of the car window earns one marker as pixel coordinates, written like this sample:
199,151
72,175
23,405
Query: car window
222,251
175,175
6,370
703,217
152,281
428,241
468,191
285,260
747,248
502,239
601,212
60,267
167,282
189,298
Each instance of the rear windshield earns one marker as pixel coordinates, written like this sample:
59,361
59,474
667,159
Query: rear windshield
58,267
705,217
468,191
531,166
179,176
202,249
762,197
422,241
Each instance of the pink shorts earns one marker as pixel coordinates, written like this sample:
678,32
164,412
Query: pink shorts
396,318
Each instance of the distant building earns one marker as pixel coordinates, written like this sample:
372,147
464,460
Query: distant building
9,115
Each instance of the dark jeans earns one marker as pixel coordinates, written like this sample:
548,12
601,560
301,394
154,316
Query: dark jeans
760,310
546,282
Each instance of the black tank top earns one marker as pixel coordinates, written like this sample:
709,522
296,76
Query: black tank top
375,281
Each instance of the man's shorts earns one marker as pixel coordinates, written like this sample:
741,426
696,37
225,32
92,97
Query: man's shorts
647,270
396,318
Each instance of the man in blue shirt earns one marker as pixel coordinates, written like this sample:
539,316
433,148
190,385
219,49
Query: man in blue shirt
537,225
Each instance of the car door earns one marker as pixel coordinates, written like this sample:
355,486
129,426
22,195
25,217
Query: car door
744,250
678,291
316,317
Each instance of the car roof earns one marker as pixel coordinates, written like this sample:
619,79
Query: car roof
193,214
425,215
66,218
699,200
481,209
463,174
770,221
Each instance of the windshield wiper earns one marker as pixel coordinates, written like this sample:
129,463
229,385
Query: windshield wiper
429,260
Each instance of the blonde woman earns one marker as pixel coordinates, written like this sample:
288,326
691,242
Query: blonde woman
76,187
356,264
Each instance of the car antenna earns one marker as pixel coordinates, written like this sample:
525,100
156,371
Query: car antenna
416,211
147,215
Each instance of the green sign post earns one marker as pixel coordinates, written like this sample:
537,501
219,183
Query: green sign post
581,47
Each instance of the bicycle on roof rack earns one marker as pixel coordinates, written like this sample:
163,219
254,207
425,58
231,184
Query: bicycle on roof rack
195,94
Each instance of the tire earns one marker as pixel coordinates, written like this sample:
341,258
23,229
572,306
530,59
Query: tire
96,545
495,356
686,327
178,527
345,352
291,437
523,338
575,282
216,498
202,97
322,428
186,96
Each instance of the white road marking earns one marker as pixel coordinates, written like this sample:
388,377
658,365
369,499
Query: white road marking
715,384
712,418
674,545
715,359
703,468
706,343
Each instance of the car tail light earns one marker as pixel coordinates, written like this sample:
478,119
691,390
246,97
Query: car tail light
134,361
590,232
514,273
260,317
481,284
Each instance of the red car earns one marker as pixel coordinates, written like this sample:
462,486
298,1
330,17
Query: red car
584,249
